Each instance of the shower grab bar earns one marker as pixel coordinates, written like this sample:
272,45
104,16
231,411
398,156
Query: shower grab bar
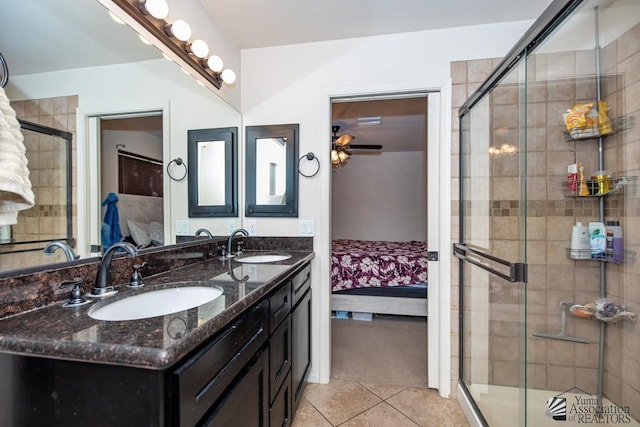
517,270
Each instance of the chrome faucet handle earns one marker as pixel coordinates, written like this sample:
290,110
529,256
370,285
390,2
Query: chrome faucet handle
77,296
136,277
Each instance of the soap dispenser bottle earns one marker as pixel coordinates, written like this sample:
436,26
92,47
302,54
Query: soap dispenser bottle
580,244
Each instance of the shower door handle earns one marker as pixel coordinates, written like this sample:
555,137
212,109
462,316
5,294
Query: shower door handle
517,270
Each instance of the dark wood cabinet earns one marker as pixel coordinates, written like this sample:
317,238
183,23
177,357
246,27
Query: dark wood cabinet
250,374
300,347
244,404
202,383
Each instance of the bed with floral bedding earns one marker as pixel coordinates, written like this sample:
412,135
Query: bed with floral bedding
379,276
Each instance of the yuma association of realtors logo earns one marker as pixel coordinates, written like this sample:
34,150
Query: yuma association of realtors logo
584,408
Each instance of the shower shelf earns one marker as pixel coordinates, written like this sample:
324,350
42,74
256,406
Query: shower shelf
618,185
591,313
606,256
618,125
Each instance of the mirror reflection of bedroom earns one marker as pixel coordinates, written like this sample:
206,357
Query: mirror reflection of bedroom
132,180
379,240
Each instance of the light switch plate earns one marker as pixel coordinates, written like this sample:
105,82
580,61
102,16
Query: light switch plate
307,227
182,227
252,227
231,226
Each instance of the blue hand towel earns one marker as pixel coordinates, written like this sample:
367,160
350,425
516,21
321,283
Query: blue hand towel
111,224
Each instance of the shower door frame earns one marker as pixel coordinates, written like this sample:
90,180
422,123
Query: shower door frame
555,13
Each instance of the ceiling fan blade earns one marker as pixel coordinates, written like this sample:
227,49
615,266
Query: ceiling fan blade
366,146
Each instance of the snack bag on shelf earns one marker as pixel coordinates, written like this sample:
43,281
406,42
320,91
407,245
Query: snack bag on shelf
581,120
603,118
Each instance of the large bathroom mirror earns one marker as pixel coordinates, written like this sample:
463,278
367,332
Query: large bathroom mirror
272,171
66,56
213,174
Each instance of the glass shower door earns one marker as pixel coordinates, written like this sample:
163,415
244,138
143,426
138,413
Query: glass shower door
492,251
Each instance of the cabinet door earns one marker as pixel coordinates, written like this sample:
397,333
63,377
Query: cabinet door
279,357
244,404
300,347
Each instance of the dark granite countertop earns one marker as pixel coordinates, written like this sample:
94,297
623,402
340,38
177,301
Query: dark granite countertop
159,342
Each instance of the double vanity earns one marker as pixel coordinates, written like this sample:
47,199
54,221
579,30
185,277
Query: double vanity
209,341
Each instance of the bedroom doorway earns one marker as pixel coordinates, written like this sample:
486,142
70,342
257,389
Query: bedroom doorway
131,168
379,214
129,138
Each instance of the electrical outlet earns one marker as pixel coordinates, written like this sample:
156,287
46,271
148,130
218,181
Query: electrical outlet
306,227
182,227
231,225
252,227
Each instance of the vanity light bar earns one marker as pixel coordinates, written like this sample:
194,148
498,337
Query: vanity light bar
135,16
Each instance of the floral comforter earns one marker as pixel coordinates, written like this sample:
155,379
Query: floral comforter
365,263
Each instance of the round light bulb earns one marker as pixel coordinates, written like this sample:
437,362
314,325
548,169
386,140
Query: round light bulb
181,30
199,48
215,63
228,76
159,9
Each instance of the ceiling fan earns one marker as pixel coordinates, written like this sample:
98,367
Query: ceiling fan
341,147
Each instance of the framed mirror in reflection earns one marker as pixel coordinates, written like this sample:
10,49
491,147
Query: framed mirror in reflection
213,172
272,171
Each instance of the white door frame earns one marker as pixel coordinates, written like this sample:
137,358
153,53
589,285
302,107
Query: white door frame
439,225
88,169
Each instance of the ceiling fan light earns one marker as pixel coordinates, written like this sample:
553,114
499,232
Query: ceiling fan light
334,157
342,156
344,140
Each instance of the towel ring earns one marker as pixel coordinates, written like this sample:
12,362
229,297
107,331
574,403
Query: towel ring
179,162
5,71
309,156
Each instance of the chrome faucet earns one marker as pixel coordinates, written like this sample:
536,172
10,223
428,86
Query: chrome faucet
103,278
204,231
52,247
230,241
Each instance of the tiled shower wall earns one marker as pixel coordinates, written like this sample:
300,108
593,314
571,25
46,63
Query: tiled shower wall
47,173
557,82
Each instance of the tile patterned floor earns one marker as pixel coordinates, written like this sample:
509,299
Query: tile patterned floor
354,404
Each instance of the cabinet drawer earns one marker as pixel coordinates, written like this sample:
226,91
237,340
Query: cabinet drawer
300,283
280,412
279,305
198,382
279,357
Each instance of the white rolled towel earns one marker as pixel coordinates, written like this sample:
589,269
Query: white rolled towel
15,186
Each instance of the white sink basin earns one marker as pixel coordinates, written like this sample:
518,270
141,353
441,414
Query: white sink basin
261,259
156,303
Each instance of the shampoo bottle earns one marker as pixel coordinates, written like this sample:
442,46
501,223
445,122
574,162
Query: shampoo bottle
580,244
597,239
615,245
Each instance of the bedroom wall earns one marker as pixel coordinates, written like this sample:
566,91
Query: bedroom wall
147,144
380,196
293,84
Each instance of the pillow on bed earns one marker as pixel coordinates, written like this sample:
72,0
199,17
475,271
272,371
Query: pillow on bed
139,233
156,232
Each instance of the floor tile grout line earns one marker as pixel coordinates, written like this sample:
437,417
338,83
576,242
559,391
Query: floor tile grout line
319,412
